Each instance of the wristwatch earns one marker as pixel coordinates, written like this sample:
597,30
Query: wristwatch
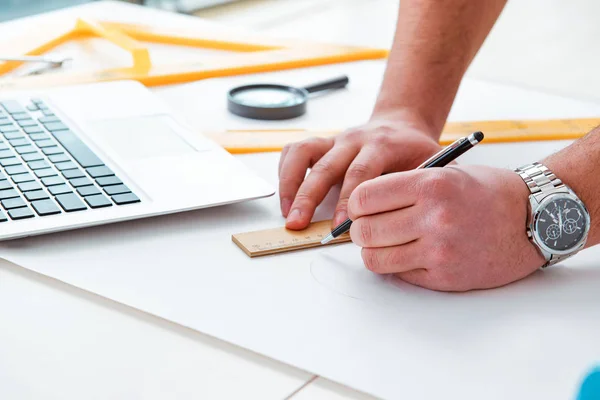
558,222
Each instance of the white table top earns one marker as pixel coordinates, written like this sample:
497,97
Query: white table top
73,344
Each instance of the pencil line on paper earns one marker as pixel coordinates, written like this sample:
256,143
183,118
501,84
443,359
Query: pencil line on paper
295,392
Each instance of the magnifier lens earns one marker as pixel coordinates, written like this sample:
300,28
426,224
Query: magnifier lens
267,97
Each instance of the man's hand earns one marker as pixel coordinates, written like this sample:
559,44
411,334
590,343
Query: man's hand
383,145
449,229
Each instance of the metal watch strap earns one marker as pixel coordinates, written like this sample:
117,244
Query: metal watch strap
542,182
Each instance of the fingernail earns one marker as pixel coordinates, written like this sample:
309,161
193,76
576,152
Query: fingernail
285,206
339,217
294,215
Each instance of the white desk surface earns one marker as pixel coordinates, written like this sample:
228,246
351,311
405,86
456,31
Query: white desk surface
58,341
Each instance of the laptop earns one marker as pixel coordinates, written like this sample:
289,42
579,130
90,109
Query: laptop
80,156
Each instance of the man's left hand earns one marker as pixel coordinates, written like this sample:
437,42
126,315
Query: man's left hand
451,229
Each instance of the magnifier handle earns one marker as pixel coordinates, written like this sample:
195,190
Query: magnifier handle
337,83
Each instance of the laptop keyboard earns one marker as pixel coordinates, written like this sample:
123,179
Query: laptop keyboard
47,170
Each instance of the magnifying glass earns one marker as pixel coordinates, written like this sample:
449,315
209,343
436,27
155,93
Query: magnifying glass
276,102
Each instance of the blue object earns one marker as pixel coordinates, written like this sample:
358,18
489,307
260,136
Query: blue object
10,9
590,388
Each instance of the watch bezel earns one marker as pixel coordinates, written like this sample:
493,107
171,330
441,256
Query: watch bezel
540,207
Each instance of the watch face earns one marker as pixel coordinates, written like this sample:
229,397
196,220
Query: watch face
561,224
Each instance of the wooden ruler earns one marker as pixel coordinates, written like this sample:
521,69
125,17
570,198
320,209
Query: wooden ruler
269,140
281,240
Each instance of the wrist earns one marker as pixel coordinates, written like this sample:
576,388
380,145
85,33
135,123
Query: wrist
576,176
407,117
519,195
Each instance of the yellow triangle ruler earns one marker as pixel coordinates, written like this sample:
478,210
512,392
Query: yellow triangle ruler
253,54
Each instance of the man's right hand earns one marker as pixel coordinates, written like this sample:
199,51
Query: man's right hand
385,144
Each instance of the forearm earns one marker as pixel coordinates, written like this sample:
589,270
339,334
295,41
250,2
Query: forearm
434,44
578,166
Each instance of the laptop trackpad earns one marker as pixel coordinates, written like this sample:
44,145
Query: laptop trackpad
142,137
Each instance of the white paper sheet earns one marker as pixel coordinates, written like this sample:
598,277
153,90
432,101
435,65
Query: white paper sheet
342,271
533,339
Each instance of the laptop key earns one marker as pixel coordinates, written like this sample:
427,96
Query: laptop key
9,129
98,201
5,121
52,150
88,190
21,115
20,178
59,158
45,207
16,169
48,119
60,189
45,143
108,180
8,194
65,165
79,150
28,186
39,164
97,172
77,182
5,185
39,136
56,126
27,122
70,202
12,106
4,146
6,153
126,198
7,162
33,129
32,107
116,189
73,173
13,203
19,142
36,195
44,172
3,217
32,157
13,135
21,213
26,149
53,180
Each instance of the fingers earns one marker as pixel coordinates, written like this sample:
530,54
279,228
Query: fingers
393,260
284,152
294,162
328,171
389,229
367,165
418,277
386,193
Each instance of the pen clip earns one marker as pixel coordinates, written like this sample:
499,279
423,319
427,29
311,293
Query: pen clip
443,152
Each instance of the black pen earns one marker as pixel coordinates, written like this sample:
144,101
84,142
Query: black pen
441,159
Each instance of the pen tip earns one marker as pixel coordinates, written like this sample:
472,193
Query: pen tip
328,239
